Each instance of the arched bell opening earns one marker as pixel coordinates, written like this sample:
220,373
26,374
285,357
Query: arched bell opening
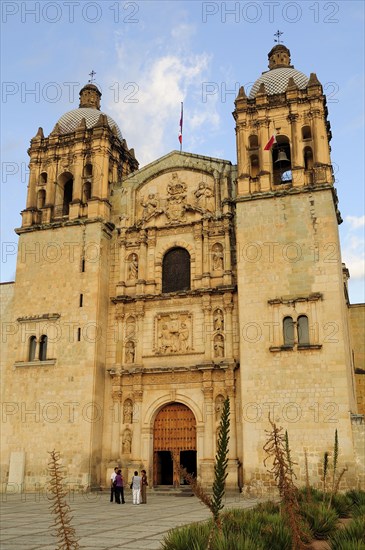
64,194
174,444
281,161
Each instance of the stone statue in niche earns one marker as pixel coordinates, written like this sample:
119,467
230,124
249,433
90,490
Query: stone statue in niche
132,267
217,257
128,412
130,329
218,320
218,346
173,333
150,206
130,351
127,442
205,197
219,400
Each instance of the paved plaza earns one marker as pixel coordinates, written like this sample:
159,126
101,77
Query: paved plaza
100,525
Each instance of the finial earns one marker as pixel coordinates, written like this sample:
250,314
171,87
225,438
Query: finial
277,39
92,74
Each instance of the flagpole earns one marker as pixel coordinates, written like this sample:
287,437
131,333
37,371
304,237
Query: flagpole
181,126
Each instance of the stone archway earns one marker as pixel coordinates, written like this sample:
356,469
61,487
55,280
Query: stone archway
174,443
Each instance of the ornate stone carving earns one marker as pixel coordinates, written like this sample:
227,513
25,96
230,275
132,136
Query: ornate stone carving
150,206
218,346
174,333
127,442
132,267
218,320
218,407
128,411
130,327
130,351
205,197
217,257
176,200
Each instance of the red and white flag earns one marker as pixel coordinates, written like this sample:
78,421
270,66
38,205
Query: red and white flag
181,123
270,143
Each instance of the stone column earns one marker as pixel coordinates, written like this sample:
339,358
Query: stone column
116,421
228,328
207,329
142,262
208,416
139,333
137,418
227,276
206,255
197,228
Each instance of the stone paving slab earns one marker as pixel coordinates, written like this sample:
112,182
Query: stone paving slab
26,522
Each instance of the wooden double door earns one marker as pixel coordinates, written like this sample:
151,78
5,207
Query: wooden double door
174,444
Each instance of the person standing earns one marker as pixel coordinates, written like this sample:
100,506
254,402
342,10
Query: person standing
144,484
112,484
136,488
119,490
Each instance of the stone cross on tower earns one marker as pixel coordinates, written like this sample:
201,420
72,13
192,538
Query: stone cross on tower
93,73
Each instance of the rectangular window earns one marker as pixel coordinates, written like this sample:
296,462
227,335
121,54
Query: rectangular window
81,299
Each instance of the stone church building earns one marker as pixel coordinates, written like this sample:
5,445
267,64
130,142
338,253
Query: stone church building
144,297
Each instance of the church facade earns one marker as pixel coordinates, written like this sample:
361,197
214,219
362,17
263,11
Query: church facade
144,297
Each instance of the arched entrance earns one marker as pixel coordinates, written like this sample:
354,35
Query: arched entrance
174,443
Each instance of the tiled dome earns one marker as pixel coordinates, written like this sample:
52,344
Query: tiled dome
71,120
276,80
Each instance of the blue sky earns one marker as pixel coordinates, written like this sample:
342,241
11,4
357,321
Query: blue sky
151,55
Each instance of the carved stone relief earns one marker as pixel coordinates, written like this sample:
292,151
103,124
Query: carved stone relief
218,346
218,407
218,320
173,333
130,351
127,442
132,262
217,257
205,197
128,411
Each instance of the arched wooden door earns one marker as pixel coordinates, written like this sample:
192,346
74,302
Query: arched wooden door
174,443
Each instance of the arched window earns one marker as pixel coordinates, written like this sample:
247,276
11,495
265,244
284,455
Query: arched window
64,193
43,178
308,158
303,330
281,160
306,132
288,331
43,348
253,142
32,348
176,270
88,170
41,198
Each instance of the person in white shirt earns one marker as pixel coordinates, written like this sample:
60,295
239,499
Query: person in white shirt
112,486
136,488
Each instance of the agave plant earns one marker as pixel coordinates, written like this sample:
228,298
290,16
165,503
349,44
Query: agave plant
321,519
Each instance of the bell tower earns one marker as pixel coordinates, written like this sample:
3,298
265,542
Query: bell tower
283,134
61,292
289,269
73,170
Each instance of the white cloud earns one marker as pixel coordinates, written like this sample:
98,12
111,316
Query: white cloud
353,246
149,119
355,221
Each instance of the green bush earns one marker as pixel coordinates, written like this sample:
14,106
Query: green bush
358,510
310,494
356,496
321,520
351,537
342,505
192,536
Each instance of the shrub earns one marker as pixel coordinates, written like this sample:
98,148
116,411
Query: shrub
342,505
193,536
351,537
356,496
321,520
310,494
